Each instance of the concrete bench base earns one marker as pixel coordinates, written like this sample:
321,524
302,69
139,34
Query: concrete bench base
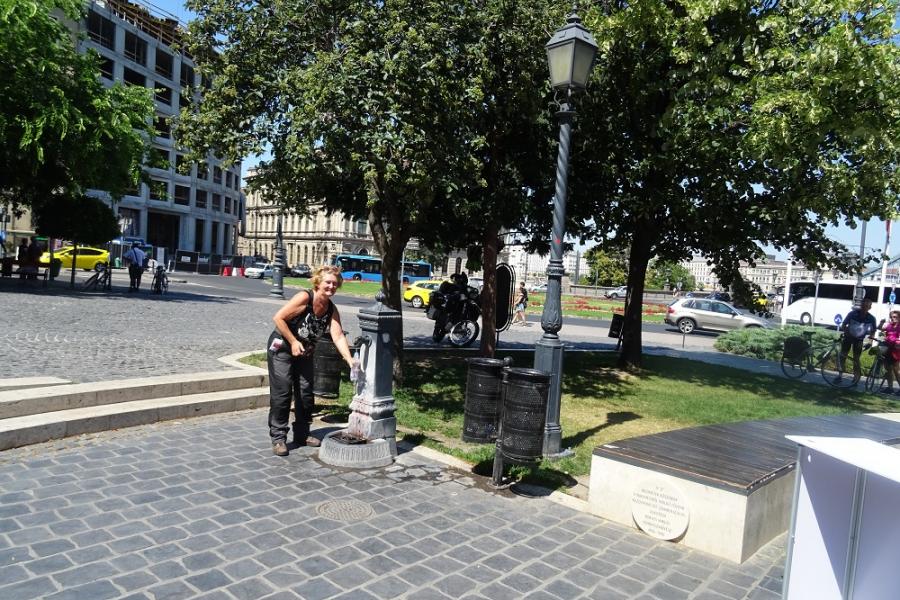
726,524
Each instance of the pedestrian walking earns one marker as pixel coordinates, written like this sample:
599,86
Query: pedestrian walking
298,325
134,258
856,327
521,303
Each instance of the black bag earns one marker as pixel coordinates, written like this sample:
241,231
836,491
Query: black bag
146,262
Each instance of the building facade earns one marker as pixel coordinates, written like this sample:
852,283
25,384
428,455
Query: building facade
310,240
186,206
533,267
768,274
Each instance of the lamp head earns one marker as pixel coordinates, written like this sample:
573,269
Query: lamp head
570,54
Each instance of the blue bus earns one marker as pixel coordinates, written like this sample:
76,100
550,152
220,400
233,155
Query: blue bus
360,267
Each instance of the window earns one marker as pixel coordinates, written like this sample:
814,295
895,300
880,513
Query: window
202,170
217,202
182,195
217,175
164,63
133,77
159,158
237,181
187,76
228,179
135,48
182,166
214,238
107,66
163,94
200,200
101,30
163,129
198,233
159,190
227,205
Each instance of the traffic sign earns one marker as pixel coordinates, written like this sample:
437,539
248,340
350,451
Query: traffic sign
893,297
837,319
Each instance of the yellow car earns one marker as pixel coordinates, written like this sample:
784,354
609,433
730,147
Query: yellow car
419,292
88,258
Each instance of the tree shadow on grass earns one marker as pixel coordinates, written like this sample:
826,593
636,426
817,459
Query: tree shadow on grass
612,419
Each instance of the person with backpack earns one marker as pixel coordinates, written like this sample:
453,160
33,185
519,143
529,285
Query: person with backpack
135,259
298,325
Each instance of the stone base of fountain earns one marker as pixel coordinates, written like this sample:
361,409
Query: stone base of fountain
341,449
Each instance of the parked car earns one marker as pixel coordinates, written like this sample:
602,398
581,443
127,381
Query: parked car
540,288
419,292
723,296
619,292
88,258
302,270
689,314
259,271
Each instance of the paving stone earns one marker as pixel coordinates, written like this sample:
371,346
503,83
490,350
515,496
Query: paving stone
95,590
85,574
418,575
135,580
315,589
388,587
498,591
51,564
173,590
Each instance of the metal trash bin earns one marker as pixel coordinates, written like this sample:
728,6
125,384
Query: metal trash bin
525,396
483,390
327,368
615,325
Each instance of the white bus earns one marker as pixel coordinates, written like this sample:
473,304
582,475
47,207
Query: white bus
834,299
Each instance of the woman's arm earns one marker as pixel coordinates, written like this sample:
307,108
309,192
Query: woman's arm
339,339
294,307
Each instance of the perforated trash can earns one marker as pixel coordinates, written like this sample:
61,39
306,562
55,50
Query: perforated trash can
481,418
524,412
327,368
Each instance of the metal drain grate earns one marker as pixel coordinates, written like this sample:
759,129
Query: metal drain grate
345,510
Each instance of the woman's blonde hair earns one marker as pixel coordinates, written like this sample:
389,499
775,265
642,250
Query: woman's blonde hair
326,270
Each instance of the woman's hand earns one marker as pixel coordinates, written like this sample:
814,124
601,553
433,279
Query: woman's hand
297,348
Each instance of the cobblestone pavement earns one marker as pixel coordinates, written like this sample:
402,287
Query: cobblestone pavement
201,509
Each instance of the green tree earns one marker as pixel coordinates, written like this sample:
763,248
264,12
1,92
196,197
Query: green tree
61,130
84,220
605,269
718,127
425,117
667,274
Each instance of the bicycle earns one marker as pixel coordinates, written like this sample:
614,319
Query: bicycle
800,357
101,278
160,283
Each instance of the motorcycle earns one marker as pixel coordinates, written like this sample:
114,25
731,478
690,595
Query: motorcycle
455,314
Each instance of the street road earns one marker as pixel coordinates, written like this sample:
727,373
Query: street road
79,336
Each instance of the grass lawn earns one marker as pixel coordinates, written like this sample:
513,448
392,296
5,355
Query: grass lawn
573,306
601,404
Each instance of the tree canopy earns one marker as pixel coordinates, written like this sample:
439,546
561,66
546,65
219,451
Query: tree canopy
717,127
429,118
606,269
61,130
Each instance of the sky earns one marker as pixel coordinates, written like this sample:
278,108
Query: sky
875,230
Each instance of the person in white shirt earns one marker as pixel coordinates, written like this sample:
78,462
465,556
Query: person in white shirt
134,258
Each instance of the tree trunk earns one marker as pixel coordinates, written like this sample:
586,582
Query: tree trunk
639,258
489,293
390,243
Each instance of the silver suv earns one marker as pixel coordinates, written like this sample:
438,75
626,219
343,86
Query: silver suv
689,314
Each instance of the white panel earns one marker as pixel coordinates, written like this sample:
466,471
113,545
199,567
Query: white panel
821,527
878,557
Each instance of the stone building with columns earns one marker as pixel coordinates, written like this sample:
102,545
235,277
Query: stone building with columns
310,240
186,206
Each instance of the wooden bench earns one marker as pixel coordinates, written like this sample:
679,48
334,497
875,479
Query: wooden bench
735,480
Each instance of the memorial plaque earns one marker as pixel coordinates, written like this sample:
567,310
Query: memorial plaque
659,509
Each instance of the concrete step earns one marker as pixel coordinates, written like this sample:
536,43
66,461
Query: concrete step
20,383
36,428
23,402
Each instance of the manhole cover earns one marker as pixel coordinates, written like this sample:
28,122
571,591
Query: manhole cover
345,510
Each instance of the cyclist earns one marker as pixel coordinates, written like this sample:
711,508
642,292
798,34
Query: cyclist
856,327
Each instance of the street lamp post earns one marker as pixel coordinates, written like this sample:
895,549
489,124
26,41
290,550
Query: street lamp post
570,54
278,264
